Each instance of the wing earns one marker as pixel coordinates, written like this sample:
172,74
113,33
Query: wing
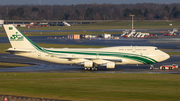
94,60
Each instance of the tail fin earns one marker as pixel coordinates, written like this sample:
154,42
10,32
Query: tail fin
18,39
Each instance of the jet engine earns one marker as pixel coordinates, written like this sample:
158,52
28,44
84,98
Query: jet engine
88,64
109,65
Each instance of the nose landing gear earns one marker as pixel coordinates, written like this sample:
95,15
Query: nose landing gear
152,67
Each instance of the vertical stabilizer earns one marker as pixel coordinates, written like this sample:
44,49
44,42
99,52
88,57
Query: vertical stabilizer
18,39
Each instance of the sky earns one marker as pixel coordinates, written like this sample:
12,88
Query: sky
75,2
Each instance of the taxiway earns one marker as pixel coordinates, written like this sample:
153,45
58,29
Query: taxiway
43,66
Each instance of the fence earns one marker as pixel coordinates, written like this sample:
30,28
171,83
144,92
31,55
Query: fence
19,98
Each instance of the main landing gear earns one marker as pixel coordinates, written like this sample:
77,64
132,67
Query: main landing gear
90,68
95,67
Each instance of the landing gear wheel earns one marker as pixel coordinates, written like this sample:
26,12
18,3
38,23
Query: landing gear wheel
85,68
151,67
95,66
163,68
89,68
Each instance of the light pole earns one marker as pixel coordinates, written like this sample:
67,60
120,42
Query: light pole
132,22
39,2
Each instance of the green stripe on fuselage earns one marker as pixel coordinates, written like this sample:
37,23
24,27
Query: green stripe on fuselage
136,57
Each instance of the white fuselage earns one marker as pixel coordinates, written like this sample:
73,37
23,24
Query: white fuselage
127,55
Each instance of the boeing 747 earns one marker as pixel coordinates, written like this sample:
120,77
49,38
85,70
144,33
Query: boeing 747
90,58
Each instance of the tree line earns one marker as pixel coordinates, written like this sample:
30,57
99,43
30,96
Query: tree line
143,11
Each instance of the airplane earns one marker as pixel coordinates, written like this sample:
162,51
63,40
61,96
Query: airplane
66,24
90,58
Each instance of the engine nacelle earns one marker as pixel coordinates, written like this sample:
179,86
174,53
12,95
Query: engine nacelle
88,63
110,65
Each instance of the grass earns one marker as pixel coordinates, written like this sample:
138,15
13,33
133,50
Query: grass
4,47
66,33
170,53
110,25
167,49
9,65
3,35
92,86
97,26
173,53
60,33
137,23
66,46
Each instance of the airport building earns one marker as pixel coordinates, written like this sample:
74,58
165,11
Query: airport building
1,23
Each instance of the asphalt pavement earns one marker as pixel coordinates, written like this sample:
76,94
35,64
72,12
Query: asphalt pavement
43,66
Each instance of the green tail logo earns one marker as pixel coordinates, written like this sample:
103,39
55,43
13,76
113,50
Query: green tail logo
10,28
16,37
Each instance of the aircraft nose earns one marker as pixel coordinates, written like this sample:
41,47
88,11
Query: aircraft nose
167,56
164,57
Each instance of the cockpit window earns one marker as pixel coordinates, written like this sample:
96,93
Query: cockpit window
156,49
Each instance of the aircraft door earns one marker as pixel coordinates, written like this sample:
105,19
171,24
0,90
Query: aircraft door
97,55
133,48
39,55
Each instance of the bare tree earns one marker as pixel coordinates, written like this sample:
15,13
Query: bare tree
148,11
